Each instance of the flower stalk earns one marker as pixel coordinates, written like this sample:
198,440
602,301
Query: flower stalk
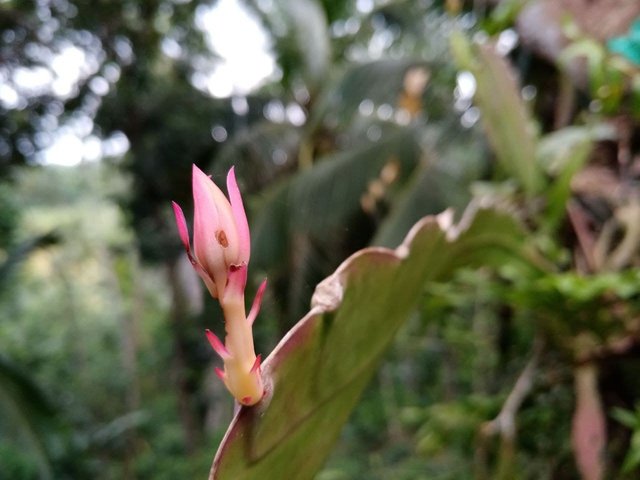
220,256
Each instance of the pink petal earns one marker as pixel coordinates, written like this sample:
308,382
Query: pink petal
184,236
239,216
206,219
257,301
217,345
220,373
215,239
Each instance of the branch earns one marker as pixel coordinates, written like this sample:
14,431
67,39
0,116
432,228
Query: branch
504,424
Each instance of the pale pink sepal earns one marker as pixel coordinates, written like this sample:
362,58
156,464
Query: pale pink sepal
217,345
215,235
236,281
257,302
239,216
183,231
206,225
208,281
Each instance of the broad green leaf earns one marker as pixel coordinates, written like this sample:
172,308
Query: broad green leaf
440,182
259,153
300,32
339,180
377,82
432,191
270,233
318,371
505,118
311,34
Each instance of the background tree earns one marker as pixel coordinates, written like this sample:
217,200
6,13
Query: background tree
366,126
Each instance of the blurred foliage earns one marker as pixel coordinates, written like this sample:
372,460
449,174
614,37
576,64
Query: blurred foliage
612,69
629,45
631,420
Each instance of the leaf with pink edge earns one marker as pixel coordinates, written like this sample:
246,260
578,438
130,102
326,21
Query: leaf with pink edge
316,374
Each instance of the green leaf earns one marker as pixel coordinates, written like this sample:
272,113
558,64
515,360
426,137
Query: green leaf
563,153
505,118
440,182
625,417
319,370
339,180
270,233
632,460
378,82
433,190
21,251
24,406
300,31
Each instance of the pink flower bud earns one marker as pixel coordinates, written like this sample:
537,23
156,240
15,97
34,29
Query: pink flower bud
220,255
220,232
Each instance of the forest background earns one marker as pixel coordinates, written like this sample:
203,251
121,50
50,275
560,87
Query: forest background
353,120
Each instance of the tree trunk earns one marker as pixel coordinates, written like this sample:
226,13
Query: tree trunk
186,302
